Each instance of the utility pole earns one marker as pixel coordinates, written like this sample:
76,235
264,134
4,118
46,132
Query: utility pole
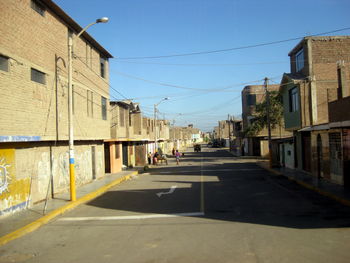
155,124
70,106
268,120
229,131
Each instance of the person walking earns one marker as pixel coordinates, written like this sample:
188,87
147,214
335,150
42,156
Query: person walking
177,155
149,157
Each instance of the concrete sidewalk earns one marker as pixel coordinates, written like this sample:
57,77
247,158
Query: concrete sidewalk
331,190
26,221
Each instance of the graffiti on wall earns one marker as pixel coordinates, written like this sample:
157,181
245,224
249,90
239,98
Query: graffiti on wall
14,192
4,176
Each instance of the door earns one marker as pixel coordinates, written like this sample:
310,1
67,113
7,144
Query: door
125,154
140,155
306,149
335,156
107,158
319,157
346,157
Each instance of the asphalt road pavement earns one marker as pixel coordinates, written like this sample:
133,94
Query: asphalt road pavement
210,208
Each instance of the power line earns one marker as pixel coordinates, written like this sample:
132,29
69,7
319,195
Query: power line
234,48
209,65
181,87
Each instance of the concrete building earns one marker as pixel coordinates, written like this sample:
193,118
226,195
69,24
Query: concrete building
34,159
319,76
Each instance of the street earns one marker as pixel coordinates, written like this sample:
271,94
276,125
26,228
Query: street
212,207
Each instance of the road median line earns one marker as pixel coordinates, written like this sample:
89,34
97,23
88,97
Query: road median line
59,211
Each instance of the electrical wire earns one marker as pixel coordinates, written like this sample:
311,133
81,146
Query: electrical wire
234,48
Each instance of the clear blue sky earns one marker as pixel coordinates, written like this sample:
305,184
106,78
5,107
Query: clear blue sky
144,28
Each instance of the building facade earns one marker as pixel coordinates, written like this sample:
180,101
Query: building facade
319,76
257,145
34,113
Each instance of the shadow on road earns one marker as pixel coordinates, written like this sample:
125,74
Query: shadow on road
235,190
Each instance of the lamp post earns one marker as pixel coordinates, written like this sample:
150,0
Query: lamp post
70,106
155,122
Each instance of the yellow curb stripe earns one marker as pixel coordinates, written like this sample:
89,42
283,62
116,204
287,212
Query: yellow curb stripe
310,187
47,218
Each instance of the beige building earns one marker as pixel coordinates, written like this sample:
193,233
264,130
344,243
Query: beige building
34,157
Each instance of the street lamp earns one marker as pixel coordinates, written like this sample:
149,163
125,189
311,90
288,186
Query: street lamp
70,106
155,122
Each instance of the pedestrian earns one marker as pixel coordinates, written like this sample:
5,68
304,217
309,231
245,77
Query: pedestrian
155,156
149,157
177,155
173,151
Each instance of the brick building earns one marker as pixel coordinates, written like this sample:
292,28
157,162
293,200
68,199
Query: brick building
314,82
251,96
34,158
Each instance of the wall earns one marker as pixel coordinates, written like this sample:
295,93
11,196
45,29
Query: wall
326,52
27,171
46,104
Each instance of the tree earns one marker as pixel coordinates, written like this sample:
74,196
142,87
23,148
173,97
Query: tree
260,117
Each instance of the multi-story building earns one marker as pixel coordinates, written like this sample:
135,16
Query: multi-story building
34,158
131,136
313,83
257,145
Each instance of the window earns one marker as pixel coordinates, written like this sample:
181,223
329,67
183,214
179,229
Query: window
251,99
38,7
117,150
121,117
299,60
4,63
103,67
293,100
104,108
38,76
90,103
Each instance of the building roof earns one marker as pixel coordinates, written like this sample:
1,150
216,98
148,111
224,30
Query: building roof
254,89
74,26
315,38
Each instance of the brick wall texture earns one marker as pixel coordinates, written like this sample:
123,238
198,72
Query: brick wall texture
30,40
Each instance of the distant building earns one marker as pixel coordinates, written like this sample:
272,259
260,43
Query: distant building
257,145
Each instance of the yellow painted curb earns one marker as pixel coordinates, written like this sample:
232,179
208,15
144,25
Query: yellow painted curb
310,187
47,218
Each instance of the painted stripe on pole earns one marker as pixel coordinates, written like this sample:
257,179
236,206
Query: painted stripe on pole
151,216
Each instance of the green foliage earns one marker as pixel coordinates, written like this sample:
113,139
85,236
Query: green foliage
260,117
